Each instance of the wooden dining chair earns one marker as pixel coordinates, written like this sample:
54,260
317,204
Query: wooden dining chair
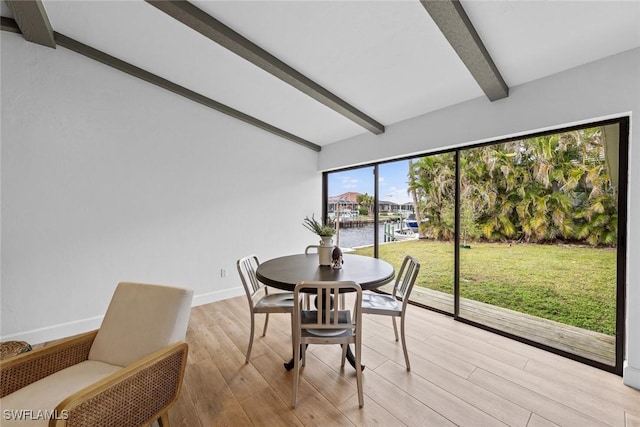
326,325
259,298
395,305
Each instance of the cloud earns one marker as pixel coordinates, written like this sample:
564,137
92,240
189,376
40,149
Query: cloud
348,182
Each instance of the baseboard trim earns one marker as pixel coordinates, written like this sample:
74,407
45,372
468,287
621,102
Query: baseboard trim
54,332
631,376
62,330
216,296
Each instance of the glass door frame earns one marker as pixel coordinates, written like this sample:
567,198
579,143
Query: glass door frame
621,254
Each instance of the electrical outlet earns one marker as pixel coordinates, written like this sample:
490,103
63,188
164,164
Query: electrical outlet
223,272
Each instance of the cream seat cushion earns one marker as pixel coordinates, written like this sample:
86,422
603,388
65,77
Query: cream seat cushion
141,319
43,396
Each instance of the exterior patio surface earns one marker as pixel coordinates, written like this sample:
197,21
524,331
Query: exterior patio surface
588,344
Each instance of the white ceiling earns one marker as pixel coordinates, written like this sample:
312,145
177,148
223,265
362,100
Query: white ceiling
386,58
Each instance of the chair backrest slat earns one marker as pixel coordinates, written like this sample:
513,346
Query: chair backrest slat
406,278
328,310
247,267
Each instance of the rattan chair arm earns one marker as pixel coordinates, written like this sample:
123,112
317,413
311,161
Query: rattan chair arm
134,396
26,368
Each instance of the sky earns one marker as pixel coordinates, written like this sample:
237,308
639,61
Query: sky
392,181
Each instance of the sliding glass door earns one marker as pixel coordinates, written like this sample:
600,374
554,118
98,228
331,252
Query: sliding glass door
539,229
522,236
421,195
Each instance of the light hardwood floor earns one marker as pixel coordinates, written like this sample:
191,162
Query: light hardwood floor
460,375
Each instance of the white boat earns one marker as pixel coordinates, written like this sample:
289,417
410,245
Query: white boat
347,215
404,234
412,223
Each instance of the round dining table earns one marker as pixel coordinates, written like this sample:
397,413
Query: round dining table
287,271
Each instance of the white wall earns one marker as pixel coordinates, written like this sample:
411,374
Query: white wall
106,178
609,87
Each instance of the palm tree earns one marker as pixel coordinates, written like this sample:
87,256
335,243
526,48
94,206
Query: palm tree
547,188
433,183
413,190
537,188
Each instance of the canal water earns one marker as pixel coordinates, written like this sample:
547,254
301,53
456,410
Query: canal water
358,236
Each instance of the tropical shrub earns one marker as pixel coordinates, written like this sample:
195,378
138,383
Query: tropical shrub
542,189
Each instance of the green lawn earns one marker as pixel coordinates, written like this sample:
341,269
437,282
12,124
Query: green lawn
574,285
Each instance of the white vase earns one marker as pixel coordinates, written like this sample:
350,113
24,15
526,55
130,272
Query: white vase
325,249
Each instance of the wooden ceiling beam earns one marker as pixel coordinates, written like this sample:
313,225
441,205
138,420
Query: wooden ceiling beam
205,24
450,17
33,21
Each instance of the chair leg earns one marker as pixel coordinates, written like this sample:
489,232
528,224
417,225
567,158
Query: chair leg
293,344
395,328
404,343
296,373
163,421
266,323
359,373
253,326
304,354
344,355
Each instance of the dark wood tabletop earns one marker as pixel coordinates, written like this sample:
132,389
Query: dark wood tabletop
287,271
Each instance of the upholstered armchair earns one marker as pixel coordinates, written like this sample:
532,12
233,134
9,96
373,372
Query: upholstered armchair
127,373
